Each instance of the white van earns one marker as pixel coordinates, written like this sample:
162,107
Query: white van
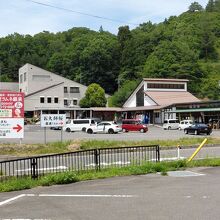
171,124
185,124
79,124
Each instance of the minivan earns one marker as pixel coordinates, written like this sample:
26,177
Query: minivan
185,124
171,124
133,125
79,124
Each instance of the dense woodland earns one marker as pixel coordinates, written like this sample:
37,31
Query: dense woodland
187,46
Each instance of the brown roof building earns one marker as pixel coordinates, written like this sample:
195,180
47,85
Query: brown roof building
154,97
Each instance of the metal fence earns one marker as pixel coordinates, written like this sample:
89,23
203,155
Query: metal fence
95,159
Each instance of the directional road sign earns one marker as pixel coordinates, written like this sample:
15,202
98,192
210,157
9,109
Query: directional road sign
11,128
11,114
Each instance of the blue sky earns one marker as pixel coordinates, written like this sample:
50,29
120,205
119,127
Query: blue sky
26,17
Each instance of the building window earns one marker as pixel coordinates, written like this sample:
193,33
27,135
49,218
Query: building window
74,89
74,101
49,100
41,78
25,77
157,114
41,99
21,78
165,86
65,102
56,100
65,89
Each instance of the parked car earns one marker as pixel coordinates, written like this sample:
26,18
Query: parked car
56,128
184,124
198,128
133,125
104,127
79,124
171,124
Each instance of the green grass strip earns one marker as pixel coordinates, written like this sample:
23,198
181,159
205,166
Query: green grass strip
70,146
72,177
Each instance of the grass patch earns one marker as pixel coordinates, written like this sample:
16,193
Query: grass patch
69,146
72,177
91,144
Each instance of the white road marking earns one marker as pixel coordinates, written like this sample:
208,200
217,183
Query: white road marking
45,169
109,164
12,199
64,195
188,197
183,173
78,195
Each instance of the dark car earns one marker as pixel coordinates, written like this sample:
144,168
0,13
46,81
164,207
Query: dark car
198,129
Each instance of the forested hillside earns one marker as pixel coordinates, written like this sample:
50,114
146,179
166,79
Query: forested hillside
187,46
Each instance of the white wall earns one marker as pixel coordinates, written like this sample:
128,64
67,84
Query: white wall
148,101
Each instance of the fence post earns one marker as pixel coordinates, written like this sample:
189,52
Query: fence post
97,159
158,153
34,173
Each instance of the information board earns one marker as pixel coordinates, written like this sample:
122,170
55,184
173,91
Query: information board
53,120
11,114
11,128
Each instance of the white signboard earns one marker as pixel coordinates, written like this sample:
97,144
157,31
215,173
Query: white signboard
11,128
53,120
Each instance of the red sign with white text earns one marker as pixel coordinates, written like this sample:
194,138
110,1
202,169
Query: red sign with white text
11,105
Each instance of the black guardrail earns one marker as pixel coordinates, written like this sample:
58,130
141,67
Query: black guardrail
95,159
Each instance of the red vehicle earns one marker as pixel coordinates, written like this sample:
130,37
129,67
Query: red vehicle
133,125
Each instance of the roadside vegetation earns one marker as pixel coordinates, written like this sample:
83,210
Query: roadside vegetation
70,146
72,177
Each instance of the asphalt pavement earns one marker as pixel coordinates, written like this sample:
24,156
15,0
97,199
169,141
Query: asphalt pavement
36,135
194,194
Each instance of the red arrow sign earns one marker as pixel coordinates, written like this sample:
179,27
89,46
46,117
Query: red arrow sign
18,128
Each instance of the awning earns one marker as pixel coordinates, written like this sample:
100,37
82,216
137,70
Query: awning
195,110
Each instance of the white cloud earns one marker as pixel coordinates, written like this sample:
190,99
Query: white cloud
26,17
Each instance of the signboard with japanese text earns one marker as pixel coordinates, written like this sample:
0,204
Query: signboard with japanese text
11,114
53,120
11,105
11,128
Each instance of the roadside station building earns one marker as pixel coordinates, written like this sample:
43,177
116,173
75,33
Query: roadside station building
160,99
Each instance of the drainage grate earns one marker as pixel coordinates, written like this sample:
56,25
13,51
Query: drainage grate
183,173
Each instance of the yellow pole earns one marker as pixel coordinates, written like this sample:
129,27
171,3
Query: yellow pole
197,150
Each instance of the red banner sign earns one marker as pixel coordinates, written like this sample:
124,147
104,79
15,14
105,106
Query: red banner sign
11,105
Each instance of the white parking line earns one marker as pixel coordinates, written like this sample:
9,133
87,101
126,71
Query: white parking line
78,195
63,195
12,199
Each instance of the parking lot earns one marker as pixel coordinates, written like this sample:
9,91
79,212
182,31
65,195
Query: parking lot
180,195
34,134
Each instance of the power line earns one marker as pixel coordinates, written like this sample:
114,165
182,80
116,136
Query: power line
81,13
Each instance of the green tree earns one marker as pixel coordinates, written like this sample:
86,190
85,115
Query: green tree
119,97
210,7
124,34
195,6
94,97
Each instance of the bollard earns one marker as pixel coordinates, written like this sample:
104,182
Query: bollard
197,150
178,151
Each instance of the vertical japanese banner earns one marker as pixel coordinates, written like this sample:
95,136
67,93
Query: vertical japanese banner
11,115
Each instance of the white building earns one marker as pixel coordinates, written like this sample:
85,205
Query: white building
45,90
155,97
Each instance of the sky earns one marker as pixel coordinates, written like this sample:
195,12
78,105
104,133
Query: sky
27,17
